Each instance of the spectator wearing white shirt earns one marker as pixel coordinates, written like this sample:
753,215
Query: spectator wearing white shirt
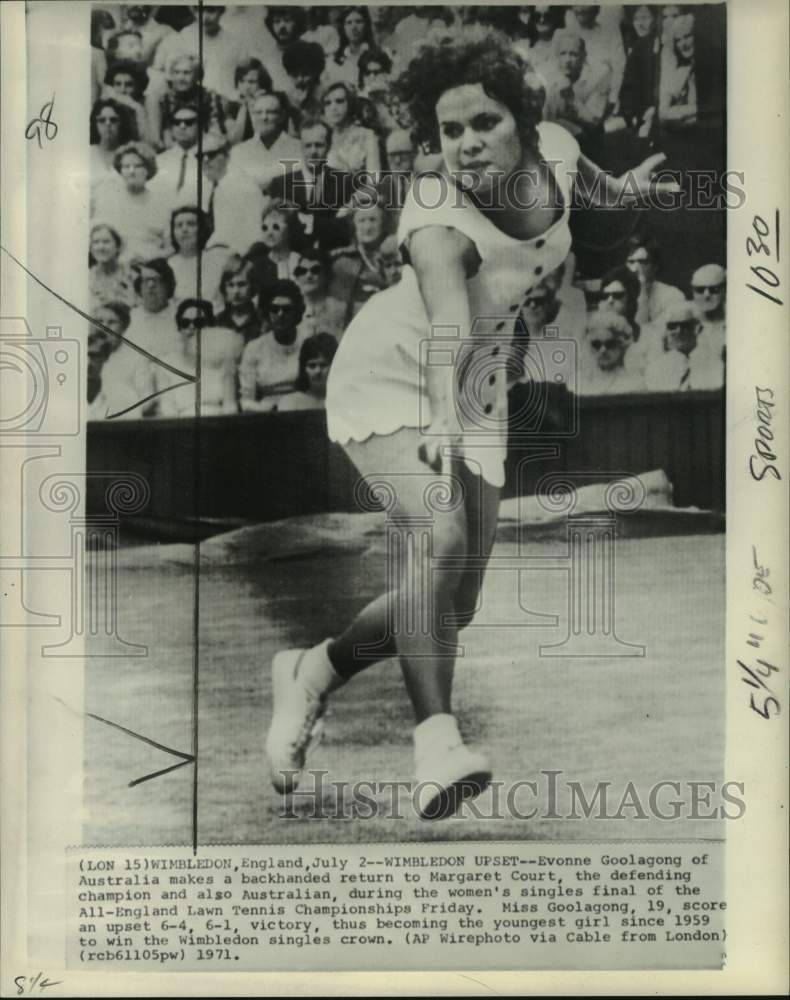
607,339
234,203
603,43
142,18
684,364
577,94
272,151
709,288
655,297
177,167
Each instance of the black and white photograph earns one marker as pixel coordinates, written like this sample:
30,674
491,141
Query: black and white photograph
448,489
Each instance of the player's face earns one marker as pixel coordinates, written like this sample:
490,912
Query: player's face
134,172
479,137
185,230
274,231
103,247
238,291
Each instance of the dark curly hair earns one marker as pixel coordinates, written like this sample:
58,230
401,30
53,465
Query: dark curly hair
320,345
287,289
470,56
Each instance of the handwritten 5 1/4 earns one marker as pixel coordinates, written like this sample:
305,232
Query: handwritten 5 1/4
33,130
756,245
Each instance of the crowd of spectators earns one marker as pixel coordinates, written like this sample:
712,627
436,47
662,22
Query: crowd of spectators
230,231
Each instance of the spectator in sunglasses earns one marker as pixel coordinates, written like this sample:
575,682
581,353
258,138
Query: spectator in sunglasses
608,338
709,291
684,364
112,125
276,253
220,352
177,167
619,294
322,313
270,363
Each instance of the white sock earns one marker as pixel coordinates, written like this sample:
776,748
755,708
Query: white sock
316,671
435,733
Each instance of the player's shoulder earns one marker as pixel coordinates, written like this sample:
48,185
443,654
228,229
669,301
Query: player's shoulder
556,143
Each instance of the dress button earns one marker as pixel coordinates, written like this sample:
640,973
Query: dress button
487,408
514,308
492,380
538,270
540,244
495,352
500,326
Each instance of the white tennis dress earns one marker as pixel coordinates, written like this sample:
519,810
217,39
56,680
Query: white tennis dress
376,384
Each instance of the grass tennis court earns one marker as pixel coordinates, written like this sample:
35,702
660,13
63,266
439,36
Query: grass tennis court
265,588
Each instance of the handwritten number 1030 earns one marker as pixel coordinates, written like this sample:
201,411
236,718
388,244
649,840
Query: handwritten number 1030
755,246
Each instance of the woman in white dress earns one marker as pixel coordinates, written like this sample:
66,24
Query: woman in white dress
427,429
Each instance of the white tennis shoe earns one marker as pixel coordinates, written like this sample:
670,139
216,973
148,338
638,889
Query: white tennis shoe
297,720
447,776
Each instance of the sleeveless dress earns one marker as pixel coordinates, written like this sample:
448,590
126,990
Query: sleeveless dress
376,384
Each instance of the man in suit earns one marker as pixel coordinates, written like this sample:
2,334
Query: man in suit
232,200
317,190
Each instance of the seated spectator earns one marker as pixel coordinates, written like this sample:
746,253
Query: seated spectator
109,280
101,22
315,189
709,289
271,151
640,23
315,359
153,325
125,82
142,19
276,253
640,77
219,51
355,33
643,259
677,89
232,201
182,88
534,32
322,313
683,365
114,316
220,353
390,261
112,125
132,208
354,148
319,29
607,339
251,79
189,233
603,45
285,25
125,45
128,375
546,315
577,95
177,167
356,269
270,363
373,88
304,64
620,294
237,289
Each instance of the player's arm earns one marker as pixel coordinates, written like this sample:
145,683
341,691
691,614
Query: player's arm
443,258
612,192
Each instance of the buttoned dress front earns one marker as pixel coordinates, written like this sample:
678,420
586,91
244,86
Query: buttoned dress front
377,381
